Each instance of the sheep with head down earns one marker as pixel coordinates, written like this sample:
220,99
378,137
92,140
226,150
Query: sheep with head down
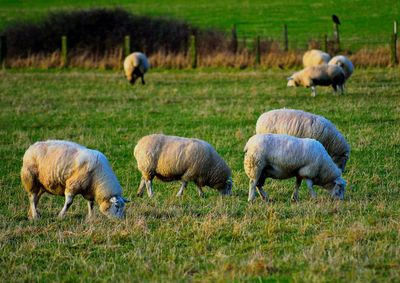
172,158
303,124
282,157
135,66
323,75
67,169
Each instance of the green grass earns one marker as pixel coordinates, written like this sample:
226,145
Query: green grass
366,22
192,239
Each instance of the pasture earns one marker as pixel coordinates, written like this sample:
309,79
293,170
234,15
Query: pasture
192,239
366,22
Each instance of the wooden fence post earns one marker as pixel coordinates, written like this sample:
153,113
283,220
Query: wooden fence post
285,38
127,45
393,45
325,43
257,50
234,43
64,51
193,51
336,36
3,51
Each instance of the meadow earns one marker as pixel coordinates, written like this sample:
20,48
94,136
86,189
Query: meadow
364,23
192,239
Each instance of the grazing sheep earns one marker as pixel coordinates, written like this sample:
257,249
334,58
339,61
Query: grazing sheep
323,75
67,169
306,125
172,158
315,57
283,157
135,66
343,62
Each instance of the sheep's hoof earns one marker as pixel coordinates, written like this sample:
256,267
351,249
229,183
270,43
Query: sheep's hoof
294,198
33,217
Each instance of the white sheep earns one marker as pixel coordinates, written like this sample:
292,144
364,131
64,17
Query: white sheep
315,57
343,62
282,157
135,66
323,75
172,158
303,124
67,169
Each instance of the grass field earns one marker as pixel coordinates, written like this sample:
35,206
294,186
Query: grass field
367,22
193,239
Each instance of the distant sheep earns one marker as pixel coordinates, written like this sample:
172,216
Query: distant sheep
323,75
172,158
67,169
345,63
282,157
135,66
306,125
315,57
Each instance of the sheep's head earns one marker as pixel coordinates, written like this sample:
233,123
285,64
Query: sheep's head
341,161
337,188
291,82
225,188
114,207
135,75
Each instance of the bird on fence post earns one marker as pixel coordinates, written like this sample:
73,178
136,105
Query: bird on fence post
336,23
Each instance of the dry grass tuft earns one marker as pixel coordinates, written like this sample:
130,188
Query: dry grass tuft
270,57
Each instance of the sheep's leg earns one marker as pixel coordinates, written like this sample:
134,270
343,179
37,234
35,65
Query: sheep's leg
310,187
313,91
142,185
252,190
33,200
90,208
341,88
295,195
262,193
200,191
183,187
142,77
68,201
149,187
33,203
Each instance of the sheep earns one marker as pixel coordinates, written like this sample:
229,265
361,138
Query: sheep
344,63
282,157
172,158
67,169
323,75
303,124
135,66
315,57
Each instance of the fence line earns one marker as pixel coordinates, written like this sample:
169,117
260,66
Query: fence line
257,47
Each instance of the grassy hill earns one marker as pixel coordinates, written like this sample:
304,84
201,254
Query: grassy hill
213,239
363,22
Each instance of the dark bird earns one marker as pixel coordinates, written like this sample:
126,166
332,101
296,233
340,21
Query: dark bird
335,19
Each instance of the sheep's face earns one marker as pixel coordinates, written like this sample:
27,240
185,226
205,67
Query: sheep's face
226,187
114,207
135,75
341,161
337,188
291,82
